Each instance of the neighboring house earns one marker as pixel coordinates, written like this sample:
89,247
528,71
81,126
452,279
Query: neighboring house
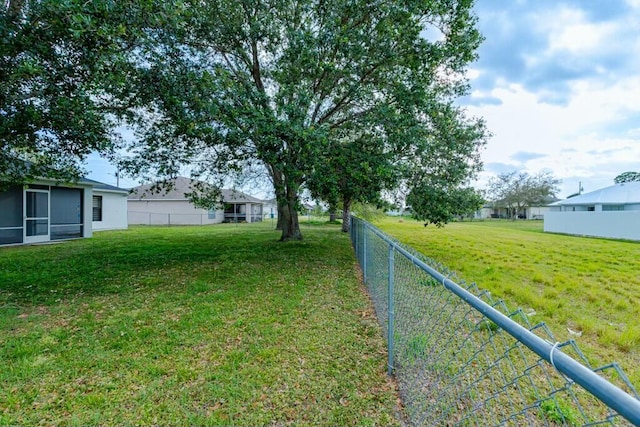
612,212
529,212
47,210
173,207
486,211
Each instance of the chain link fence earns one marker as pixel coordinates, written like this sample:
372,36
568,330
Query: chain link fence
463,358
165,218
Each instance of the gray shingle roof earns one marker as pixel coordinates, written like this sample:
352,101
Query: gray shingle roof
97,185
182,185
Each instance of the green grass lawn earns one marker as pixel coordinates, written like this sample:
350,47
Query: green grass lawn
588,285
190,325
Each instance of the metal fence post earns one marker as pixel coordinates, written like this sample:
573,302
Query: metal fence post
391,313
353,233
364,253
355,239
351,229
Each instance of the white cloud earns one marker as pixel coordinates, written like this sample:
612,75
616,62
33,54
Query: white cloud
569,30
571,136
582,38
634,3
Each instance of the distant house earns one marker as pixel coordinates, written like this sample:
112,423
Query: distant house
537,211
46,210
612,212
175,208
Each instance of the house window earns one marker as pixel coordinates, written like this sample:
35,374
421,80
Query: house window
612,207
97,208
11,220
591,208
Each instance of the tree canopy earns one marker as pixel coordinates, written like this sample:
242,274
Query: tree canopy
354,170
63,65
308,87
441,204
627,177
518,190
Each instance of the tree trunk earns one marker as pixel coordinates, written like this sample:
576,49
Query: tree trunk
332,213
287,200
14,9
346,215
290,224
280,218
278,185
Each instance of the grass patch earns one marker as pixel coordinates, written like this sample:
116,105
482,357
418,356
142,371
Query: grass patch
190,325
559,412
587,285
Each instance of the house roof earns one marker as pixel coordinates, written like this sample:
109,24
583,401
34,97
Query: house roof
238,197
97,185
618,194
182,185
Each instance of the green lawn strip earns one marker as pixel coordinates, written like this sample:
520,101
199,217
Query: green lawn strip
588,285
209,325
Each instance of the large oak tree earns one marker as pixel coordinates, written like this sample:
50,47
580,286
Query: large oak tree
286,82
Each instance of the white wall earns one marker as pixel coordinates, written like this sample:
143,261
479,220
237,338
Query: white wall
611,224
87,226
114,211
537,212
169,212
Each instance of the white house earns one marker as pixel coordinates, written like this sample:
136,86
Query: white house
173,207
529,212
46,210
612,212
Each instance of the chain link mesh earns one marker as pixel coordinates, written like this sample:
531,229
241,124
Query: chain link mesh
454,366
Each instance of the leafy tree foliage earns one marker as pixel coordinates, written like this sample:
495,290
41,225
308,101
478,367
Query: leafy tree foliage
355,170
304,87
350,87
627,177
518,190
441,204
63,65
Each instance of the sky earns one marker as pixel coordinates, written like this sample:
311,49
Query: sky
558,84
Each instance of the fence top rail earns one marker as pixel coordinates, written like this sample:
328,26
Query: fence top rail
617,399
